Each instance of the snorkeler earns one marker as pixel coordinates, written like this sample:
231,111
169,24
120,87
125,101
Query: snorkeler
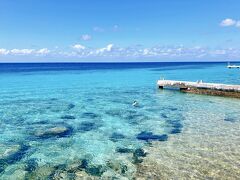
135,103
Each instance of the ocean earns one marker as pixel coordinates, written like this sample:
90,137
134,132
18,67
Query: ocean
76,120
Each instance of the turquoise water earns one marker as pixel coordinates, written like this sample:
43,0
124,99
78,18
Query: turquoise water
75,120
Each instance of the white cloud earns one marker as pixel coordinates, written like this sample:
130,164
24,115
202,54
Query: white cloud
145,52
228,22
78,47
108,48
157,52
16,52
21,51
4,51
43,51
180,52
86,37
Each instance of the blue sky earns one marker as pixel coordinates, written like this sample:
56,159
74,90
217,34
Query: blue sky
126,30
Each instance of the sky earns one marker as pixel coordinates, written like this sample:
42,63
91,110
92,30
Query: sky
119,30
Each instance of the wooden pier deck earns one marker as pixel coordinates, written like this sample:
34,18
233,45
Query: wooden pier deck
202,88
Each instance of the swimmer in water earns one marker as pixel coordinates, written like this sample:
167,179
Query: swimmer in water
135,103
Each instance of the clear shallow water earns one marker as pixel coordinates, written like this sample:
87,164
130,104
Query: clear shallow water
76,120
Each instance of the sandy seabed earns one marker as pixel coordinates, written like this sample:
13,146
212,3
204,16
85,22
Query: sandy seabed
207,148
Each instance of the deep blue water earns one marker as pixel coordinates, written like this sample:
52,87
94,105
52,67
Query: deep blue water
30,67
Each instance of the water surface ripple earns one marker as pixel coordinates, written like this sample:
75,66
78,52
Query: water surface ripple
73,121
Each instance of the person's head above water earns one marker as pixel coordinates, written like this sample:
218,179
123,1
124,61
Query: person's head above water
135,103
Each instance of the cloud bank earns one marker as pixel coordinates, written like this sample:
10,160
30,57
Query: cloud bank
16,52
139,53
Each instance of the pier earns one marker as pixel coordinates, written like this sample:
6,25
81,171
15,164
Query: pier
232,66
200,87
